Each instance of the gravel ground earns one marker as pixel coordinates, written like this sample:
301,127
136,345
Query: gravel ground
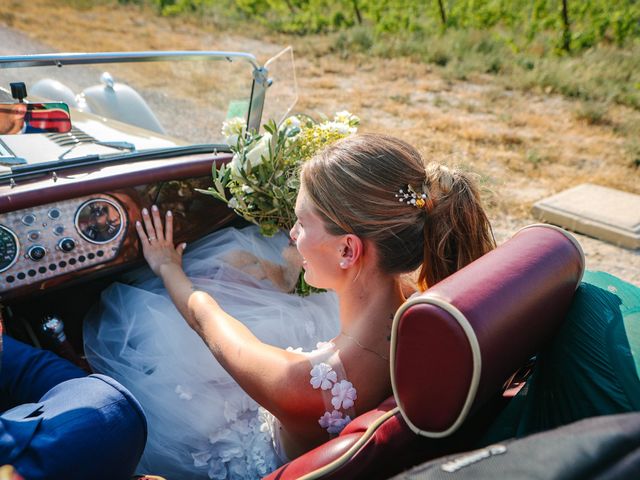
600,255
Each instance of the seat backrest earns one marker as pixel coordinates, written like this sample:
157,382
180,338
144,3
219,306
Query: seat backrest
452,348
455,345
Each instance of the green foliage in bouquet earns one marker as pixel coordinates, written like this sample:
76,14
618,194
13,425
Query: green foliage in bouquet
261,182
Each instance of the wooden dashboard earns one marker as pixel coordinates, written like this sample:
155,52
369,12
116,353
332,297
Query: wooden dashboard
55,229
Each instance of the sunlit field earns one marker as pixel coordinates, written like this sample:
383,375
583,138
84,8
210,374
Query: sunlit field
527,137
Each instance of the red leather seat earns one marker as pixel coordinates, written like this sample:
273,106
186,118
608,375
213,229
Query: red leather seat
452,349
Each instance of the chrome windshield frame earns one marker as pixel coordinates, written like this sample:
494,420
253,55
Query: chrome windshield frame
61,59
259,73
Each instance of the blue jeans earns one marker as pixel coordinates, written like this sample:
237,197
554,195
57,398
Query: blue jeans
63,423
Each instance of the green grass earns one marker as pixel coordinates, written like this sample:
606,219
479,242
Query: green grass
604,73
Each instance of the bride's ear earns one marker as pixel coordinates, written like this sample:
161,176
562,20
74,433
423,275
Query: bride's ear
351,250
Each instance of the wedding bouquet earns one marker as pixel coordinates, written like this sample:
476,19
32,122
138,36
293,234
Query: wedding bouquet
261,181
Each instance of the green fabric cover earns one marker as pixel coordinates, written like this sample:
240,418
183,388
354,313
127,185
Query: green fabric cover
590,368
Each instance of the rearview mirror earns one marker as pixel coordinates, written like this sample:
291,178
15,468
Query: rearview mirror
19,118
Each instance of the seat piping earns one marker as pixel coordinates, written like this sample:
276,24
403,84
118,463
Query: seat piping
342,459
475,355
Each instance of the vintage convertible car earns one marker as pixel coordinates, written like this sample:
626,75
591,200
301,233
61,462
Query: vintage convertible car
106,134
144,128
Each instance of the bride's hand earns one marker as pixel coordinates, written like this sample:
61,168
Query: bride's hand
157,242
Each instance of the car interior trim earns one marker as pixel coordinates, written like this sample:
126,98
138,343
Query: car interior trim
346,456
107,178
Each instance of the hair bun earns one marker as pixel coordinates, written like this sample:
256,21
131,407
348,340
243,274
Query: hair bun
440,176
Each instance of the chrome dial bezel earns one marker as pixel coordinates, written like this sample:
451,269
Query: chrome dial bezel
17,241
101,200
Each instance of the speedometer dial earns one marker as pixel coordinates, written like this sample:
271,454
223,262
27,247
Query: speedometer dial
8,248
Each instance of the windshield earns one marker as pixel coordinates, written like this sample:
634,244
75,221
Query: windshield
128,102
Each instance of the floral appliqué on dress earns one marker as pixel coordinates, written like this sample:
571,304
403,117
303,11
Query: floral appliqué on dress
242,449
344,395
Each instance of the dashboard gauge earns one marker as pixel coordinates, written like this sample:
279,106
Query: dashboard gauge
99,220
29,219
9,247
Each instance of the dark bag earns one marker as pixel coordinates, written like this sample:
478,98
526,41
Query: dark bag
603,448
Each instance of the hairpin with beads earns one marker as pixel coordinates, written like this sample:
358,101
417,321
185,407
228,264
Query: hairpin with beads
411,197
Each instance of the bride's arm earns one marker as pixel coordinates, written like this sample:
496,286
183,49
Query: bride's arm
274,377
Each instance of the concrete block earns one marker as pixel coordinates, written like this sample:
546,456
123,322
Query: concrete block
601,212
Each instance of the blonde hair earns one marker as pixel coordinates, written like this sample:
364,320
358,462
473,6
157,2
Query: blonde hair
353,185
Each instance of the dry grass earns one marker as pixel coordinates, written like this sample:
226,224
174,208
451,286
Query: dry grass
524,146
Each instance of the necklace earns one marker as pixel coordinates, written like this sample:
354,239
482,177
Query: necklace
386,359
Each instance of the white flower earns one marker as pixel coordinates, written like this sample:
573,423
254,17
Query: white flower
344,395
259,151
247,189
183,393
291,122
200,459
253,157
323,376
347,118
334,422
338,127
294,350
233,203
342,117
235,164
232,129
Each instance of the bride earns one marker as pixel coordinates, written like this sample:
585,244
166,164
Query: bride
224,396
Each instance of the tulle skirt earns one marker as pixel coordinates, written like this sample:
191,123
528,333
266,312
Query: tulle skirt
201,423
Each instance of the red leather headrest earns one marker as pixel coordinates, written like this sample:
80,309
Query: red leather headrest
453,346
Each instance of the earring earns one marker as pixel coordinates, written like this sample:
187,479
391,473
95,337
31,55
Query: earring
343,264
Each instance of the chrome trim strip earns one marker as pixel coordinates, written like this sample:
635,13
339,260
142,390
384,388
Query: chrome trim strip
61,59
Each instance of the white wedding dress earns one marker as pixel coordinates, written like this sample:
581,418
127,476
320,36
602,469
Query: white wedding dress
201,423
